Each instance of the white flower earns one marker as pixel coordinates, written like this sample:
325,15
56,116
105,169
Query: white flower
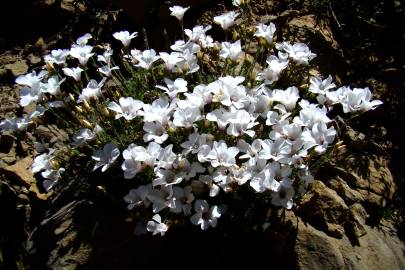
125,37
156,225
264,180
167,178
146,59
130,166
138,196
57,57
228,91
166,157
30,94
183,198
178,12
288,97
51,178
42,162
240,122
194,143
105,57
275,66
147,156
266,31
189,64
75,73
219,116
320,136
106,70
31,79
171,60
82,53
311,114
231,50
319,86
283,195
83,136
161,198
15,124
186,117
92,90
174,87
277,150
154,131
52,86
160,110
198,35
226,20
82,41
299,52
127,108
338,96
359,100
221,155
106,156
205,216
251,150
237,3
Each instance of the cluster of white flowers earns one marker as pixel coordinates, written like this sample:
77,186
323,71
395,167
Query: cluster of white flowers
232,133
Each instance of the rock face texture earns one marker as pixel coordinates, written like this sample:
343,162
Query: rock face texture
336,225
377,249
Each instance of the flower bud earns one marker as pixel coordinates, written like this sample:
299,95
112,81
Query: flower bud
49,67
71,97
200,55
216,47
262,42
117,94
171,130
78,109
235,35
86,123
271,103
185,68
86,105
252,75
105,112
54,164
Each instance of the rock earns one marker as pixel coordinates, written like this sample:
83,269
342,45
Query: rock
354,139
7,149
368,174
377,249
69,5
52,133
315,250
33,59
323,208
310,23
348,194
17,68
354,225
3,73
21,171
40,45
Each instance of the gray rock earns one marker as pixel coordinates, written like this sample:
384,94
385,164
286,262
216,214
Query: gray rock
324,208
378,249
17,68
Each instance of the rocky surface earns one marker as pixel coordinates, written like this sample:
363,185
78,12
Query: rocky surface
338,224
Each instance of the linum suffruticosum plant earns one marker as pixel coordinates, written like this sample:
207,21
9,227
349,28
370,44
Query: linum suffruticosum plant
192,124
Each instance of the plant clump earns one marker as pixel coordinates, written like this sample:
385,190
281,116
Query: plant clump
191,125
